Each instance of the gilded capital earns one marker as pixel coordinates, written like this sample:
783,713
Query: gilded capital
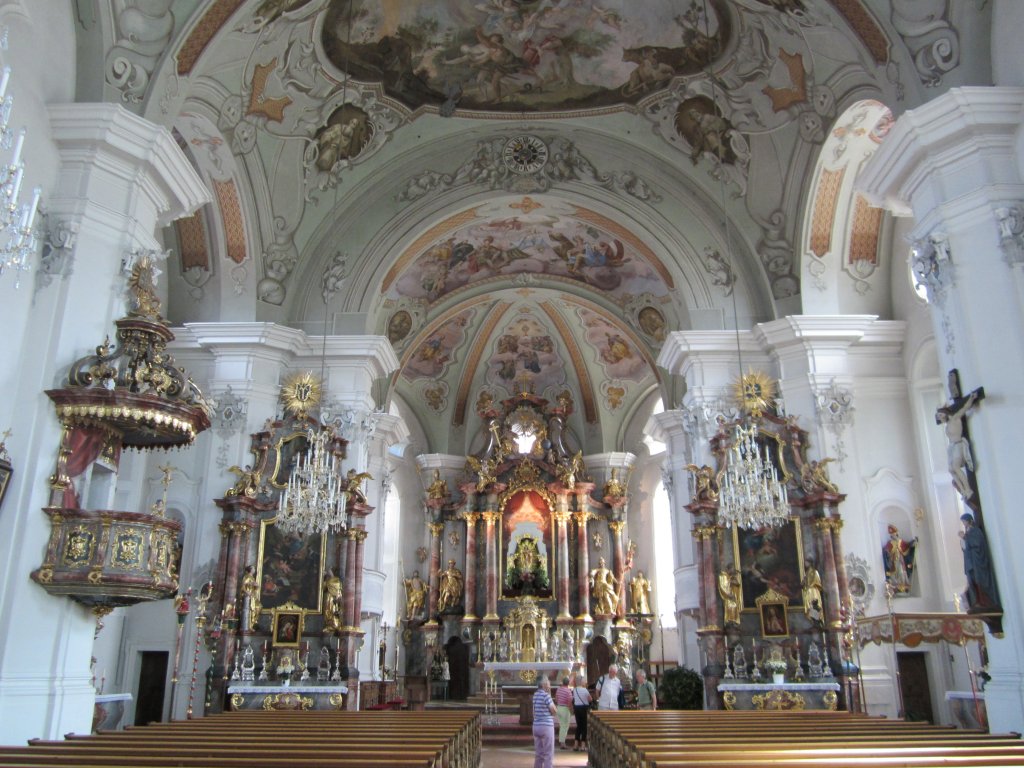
705,532
833,524
489,517
471,518
562,516
436,529
361,534
582,517
616,526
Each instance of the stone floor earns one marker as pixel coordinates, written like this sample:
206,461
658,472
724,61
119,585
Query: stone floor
522,757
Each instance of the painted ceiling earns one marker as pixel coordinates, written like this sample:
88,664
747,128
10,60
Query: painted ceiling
517,193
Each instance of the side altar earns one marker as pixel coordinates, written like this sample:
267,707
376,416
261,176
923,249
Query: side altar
780,696
287,697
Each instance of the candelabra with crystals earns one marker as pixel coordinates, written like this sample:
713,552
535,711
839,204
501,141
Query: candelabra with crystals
17,240
751,495
315,498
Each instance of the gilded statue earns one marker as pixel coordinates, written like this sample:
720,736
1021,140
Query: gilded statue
571,470
814,477
640,594
604,588
731,590
249,483
450,587
415,595
332,602
250,598
353,481
811,584
142,288
705,483
484,470
438,488
613,488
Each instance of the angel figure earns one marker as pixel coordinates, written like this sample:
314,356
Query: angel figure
613,488
706,484
814,477
249,482
484,471
355,479
571,471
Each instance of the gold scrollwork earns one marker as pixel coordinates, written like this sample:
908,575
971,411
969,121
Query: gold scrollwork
237,700
79,547
45,575
831,700
528,675
287,701
128,546
729,699
778,700
96,574
336,700
436,529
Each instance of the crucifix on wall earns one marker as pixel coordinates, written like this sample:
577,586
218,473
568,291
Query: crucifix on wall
953,417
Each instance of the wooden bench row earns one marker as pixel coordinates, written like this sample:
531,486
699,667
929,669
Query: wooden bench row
272,740
668,739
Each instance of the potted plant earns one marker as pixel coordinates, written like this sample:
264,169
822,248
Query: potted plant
777,667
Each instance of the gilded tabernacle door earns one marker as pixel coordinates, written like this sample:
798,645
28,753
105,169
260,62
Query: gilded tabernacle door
526,546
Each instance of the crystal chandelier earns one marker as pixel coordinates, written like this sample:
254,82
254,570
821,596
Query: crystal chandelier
751,495
17,241
315,498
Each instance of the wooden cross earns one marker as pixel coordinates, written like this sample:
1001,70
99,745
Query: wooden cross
953,415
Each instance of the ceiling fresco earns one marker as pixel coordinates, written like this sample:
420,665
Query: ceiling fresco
525,357
559,242
432,356
510,55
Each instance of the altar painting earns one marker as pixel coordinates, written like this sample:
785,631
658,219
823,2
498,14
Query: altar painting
290,568
770,558
526,547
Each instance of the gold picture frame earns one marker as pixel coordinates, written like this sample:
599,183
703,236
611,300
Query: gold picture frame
769,558
284,449
772,609
286,628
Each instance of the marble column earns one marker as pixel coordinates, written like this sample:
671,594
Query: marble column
436,529
703,536
583,564
349,594
470,594
492,519
619,568
561,518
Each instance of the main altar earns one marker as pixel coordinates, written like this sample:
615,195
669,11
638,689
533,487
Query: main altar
522,593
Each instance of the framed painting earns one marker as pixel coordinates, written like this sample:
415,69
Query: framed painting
774,621
769,558
291,568
286,629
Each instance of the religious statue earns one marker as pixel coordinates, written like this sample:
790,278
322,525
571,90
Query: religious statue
249,482
564,400
604,589
958,453
484,402
613,488
251,599
415,594
705,483
640,594
438,488
731,590
813,607
555,646
353,481
571,470
487,648
450,589
484,470
526,570
332,602
898,556
982,592
814,477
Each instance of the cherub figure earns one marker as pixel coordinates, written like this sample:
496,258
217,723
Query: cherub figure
706,483
814,477
353,481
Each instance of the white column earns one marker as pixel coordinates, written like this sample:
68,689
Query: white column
121,178
954,165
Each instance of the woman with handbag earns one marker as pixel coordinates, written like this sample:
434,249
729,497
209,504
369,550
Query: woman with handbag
581,700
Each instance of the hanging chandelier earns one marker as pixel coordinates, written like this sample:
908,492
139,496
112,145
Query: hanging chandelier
314,500
751,495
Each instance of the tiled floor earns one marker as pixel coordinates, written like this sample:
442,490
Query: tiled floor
522,757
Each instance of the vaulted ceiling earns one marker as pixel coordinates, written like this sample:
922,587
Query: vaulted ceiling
518,193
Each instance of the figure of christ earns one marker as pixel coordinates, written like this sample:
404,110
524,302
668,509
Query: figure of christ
953,417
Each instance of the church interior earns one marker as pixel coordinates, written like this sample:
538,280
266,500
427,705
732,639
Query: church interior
387,355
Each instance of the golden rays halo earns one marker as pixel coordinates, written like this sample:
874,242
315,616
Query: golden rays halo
755,392
300,393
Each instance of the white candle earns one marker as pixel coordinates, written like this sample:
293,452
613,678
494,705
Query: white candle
3,82
18,147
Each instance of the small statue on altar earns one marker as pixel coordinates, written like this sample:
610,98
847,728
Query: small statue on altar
438,488
503,646
811,585
332,602
705,483
450,587
250,599
640,594
604,589
898,556
555,646
415,594
731,590
570,646
487,648
613,488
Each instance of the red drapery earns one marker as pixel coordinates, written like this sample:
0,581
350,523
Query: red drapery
84,445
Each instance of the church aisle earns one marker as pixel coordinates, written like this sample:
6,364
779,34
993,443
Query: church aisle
522,757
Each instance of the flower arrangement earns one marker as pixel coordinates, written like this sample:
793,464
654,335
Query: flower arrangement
285,668
775,666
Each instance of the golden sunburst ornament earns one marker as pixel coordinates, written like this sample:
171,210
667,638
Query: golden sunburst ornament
755,393
300,393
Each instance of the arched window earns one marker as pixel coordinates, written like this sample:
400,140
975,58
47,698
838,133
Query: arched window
664,564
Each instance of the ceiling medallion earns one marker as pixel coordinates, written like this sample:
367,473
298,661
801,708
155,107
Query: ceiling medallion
755,393
525,154
300,393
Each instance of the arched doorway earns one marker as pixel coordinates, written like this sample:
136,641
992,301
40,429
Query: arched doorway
458,665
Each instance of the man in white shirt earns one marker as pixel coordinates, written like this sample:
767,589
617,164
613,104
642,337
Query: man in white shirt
608,688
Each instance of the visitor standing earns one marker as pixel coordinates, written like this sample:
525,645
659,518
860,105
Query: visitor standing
543,725
608,689
646,696
563,704
581,699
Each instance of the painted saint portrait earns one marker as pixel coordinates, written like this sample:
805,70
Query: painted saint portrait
699,121
343,137
431,357
652,322
291,568
399,326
